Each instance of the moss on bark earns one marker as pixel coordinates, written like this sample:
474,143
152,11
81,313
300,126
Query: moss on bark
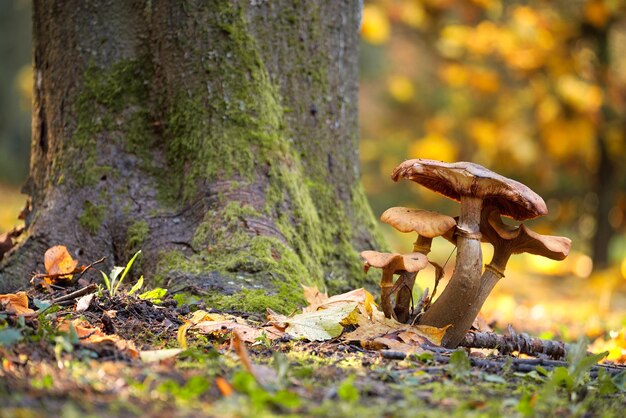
225,151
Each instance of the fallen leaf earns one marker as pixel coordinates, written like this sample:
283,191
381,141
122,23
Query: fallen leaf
379,326
83,303
396,345
320,325
196,317
16,303
58,260
88,334
150,356
362,297
223,386
209,323
246,332
313,295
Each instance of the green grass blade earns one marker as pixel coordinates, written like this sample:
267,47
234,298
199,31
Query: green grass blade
107,283
137,286
126,270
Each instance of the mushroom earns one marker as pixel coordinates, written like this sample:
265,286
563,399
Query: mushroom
427,225
471,185
506,241
392,264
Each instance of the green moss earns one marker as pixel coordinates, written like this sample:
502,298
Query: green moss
238,119
225,120
111,102
269,269
258,300
91,218
316,235
136,234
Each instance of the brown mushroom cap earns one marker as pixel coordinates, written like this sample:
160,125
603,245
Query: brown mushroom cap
525,240
454,180
396,262
426,223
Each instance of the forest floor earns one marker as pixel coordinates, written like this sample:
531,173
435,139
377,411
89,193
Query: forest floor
129,356
121,356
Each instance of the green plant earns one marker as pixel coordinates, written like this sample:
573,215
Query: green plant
112,282
460,367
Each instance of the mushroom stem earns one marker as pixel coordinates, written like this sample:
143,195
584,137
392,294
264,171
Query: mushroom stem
507,241
494,271
404,296
458,298
386,284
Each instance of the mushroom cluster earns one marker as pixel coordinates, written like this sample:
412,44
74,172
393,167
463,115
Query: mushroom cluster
484,197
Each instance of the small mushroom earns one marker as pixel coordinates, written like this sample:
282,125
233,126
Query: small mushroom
427,225
471,185
392,264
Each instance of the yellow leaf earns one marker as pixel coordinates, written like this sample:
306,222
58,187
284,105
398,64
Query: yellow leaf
196,317
412,13
401,88
181,335
375,27
434,146
456,75
584,97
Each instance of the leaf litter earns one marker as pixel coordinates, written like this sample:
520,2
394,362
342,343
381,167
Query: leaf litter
137,340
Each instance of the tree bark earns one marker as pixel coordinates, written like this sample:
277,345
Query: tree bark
220,137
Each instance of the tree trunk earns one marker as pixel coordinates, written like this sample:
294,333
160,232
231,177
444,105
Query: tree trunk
220,137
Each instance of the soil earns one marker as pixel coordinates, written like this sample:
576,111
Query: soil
47,372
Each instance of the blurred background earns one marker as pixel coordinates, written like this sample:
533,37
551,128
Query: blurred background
534,90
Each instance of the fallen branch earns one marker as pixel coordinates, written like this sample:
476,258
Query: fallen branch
71,296
522,343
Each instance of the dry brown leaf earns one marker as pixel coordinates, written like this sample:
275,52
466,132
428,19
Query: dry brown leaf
379,326
88,334
247,333
313,295
362,297
58,260
16,303
396,345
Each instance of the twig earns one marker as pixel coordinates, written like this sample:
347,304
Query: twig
522,343
90,266
71,296
420,305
